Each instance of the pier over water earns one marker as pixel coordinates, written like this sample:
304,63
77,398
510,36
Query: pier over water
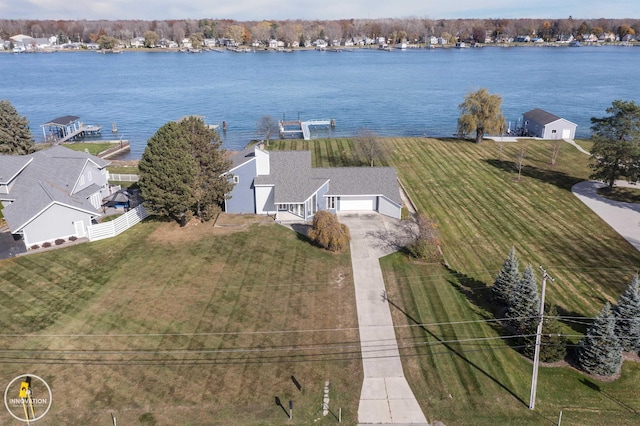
66,128
295,128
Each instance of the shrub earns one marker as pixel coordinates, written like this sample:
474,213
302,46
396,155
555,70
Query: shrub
59,241
46,245
424,242
328,233
73,238
35,247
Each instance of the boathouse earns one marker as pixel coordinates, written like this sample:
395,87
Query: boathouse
65,128
541,124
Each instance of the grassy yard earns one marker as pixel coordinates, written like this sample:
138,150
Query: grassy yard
94,148
192,326
482,210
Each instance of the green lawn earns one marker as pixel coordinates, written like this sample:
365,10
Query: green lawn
482,210
189,325
94,148
185,317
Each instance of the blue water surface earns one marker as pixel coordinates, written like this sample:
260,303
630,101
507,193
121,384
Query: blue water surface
404,93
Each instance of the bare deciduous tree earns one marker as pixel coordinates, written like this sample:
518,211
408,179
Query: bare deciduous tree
555,151
371,145
267,126
520,159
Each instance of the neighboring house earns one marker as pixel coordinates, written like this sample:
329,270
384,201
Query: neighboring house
541,124
283,183
52,194
137,42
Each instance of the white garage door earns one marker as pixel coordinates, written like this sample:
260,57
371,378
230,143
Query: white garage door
357,204
566,133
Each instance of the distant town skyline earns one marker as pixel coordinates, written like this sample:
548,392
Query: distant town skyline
257,10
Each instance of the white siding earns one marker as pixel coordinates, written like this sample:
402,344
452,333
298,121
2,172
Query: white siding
262,162
264,200
389,208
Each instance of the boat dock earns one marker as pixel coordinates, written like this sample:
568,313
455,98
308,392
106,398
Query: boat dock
67,128
298,127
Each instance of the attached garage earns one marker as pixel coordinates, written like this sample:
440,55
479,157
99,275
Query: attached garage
357,203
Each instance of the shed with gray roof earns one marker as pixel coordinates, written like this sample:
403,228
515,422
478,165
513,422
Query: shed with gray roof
542,124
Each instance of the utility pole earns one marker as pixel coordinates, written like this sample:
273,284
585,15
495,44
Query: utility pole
536,358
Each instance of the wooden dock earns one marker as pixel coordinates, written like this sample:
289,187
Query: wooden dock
302,127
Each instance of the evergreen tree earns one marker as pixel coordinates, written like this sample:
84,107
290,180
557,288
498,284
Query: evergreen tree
211,183
167,173
627,314
524,312
507,280
15,136
615,151
182,171
599,351
553,344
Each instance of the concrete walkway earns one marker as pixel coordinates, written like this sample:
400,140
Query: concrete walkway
386,397
623,217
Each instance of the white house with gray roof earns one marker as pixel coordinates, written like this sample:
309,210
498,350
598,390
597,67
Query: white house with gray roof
283,183
542,124
52,194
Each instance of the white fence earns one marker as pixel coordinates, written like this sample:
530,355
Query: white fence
117,177
118,225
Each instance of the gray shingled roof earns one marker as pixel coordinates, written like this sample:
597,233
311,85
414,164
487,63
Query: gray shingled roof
295,180
50,176
10,165
363,181
540,116
239,158
62,121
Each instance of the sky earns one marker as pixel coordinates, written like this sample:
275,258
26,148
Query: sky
255,10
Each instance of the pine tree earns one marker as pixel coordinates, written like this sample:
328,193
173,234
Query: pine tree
599,351
182,171
524,312
503,289
627,314
167,173
15,136
553,344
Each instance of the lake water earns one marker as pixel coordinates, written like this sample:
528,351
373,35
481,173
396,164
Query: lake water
407,93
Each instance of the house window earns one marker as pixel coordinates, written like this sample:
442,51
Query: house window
331,203
236,179
81,179
553,131
89,177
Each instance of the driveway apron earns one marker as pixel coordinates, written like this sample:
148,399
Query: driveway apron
623,217
386,397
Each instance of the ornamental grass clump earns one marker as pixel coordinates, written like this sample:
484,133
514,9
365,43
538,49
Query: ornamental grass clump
328,233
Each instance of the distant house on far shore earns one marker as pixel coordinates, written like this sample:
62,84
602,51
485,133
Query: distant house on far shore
541,124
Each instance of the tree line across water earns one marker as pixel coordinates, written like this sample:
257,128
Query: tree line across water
289,31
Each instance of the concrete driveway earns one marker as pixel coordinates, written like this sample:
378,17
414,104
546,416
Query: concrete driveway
386,397
623,217
10,247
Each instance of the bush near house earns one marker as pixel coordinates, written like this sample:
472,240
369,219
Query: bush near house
328,233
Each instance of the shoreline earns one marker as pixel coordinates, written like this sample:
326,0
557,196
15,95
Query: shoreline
331,49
